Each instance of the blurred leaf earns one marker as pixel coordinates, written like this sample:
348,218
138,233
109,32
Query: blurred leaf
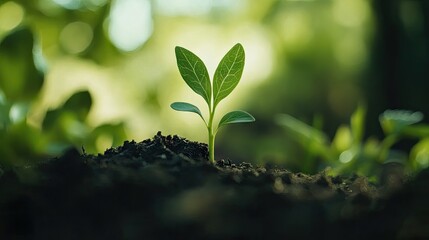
394,121
73,128
303,129
77,105
4,111
64,129
420,154
80,103
419,131
236,117
194,72
310,138
18,112
357,124
371,147
396,156
117,131
51,118
19,78
228,73
186,107
105,136
56,148
343,139
22,145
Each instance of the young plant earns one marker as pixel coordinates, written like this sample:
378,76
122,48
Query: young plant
226,78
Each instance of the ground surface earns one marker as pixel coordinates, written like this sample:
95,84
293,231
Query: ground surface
164,188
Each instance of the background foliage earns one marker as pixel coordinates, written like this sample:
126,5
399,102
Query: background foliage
92,73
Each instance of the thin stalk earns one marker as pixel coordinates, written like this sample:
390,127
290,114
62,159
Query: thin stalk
211,136
211,145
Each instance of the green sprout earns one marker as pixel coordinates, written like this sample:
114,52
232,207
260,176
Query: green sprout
226,78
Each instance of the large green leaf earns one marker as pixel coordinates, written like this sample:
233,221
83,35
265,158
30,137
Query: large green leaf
19,78
186,107
236,117
228,73
194,72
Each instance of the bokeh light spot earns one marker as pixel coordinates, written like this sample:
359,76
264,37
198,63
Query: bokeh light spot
130,24
351,52
423,159
350,13
346,156
98,3
76,37
411,16
296,30
18,112
184,7
69,4
11,15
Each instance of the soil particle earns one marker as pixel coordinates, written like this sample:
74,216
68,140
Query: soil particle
165,188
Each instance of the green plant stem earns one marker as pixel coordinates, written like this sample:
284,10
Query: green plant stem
211,145
211,136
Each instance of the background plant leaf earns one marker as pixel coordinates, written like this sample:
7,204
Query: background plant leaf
4,111
19,78
186,107
194,72
105,136
394,121
418,131
357,124
307,135
228,73
79,103
236,117
76,107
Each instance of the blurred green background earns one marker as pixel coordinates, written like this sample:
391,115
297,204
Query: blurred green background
93,73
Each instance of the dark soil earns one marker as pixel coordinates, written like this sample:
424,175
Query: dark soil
165,188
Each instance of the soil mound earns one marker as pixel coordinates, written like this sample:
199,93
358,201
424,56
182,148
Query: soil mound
165,188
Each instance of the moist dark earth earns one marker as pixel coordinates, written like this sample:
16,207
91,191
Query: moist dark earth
165,188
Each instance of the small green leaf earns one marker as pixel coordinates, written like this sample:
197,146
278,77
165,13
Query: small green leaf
186,107
236,117
194,72
228,73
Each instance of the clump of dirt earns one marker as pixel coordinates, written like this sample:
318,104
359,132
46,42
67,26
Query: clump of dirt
165,188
